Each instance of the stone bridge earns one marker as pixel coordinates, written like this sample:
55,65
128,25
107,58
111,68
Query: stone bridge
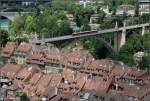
11,15
119,38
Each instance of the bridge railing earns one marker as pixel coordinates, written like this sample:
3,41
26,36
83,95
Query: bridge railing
84,35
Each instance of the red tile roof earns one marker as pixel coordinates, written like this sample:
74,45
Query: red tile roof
42,84
136,73
54,54
24,48
135,91
24,74
99,84
104,65
119,70
36,58
36,77
10,70
55,81
78,56
8,49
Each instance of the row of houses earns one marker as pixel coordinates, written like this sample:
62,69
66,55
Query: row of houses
69,85
44,55
46,72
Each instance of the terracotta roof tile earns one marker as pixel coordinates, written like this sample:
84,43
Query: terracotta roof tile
56,79
10,70
54,54
119,70
50,93
105,65
36,77
136,73
8,49
42,84
99,85
24,74
78,56
135,91
24,48
36,58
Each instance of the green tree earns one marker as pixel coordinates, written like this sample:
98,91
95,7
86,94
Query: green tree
113,4
107,23
85,25
82,13
51,25
135,43
58,5
61,16
24,97
29,24
146,42
136,9
102,15
144,18
64,28
145,63
3,37
17,26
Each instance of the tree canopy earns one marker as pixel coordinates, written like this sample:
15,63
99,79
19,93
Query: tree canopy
135,43
4,37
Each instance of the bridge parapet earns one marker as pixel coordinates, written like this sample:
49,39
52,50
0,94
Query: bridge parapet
119,39
11,15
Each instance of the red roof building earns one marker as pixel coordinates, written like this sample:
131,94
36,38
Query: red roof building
10,70
8,49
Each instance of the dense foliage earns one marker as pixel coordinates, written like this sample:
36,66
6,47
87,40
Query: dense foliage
4,37
135,43
24,97
113,4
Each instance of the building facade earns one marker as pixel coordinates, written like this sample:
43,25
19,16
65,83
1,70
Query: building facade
144,6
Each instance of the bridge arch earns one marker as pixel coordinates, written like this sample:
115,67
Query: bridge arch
103,42
133,31
10,15
4,17
118,42
100,54
7,17
5,22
